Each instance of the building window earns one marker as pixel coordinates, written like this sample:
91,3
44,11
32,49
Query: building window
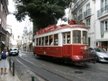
102,28
88,6
104,3
89,41
88,21
80,15
106,25
80,11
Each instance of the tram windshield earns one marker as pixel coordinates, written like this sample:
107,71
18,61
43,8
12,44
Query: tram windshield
80,36
76,36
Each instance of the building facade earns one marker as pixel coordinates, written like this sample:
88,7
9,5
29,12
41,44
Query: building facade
94,13
27,39
4,34
102,17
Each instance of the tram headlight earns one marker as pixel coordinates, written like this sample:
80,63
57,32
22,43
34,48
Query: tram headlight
85,47
78,57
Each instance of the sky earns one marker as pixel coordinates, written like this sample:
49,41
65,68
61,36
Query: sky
17,27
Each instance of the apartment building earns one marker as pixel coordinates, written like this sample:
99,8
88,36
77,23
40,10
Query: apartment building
102,17
94,13
4,38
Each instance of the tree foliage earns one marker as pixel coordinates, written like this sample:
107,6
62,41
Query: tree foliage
41,12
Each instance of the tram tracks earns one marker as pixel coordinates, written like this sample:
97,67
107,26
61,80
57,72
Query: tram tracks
73,74
32,74
43,73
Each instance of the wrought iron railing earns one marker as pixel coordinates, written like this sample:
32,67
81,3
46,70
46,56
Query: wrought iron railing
87,13
102,11
80,17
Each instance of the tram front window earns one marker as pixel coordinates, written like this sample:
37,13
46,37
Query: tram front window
76,36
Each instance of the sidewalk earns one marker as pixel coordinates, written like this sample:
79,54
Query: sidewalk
9,77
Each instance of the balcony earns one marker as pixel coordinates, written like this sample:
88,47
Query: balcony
102,12
87,13
78,4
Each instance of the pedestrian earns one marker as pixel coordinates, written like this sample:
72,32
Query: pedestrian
4,62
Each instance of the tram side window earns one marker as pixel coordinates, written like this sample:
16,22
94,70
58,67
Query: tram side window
37,41
46,40
56,39
42,41
51,40
64,40
68,37
84,37
76,36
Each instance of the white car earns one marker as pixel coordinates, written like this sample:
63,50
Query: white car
13,52
102,55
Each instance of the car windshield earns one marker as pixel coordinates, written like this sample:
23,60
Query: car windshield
100,50
13,49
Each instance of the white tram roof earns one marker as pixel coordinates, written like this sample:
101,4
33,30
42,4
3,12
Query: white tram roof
53,29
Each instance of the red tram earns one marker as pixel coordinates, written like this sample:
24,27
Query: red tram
63,42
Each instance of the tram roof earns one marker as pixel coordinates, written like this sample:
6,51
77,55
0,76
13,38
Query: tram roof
60,27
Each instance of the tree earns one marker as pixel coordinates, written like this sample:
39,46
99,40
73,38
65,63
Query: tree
41,12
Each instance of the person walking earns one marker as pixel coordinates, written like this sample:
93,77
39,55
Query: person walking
4,62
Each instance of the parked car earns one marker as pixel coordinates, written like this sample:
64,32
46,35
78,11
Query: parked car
13,52
101,54
91,54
